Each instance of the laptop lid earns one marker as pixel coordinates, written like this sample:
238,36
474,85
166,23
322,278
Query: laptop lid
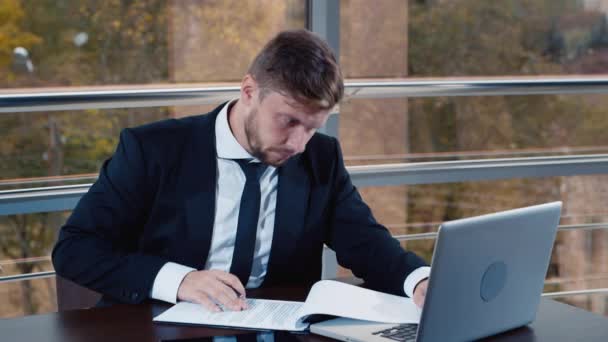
487,276
488,273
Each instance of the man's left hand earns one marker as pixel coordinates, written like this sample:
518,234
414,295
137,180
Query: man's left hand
420,293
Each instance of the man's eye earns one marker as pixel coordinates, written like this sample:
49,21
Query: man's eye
289,121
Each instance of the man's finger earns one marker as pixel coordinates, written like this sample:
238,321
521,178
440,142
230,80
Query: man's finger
232,281
420,293
225,295
418,300
238,301
202,299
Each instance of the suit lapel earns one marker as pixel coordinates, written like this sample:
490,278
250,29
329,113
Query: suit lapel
290,214
291,208
200,198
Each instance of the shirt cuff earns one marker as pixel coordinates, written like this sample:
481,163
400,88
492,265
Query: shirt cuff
167,281
414,278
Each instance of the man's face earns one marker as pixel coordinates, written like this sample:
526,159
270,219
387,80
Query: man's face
277,127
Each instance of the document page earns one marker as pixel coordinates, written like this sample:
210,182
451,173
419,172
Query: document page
262,314
340,299
326,297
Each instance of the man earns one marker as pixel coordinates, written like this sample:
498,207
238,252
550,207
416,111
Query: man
199,208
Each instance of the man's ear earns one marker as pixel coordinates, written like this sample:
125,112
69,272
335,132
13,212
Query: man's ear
248,90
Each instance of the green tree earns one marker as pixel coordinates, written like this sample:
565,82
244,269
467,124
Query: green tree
122,36
128,43
496,38
12,35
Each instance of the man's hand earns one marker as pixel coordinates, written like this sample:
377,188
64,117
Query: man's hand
420,293
212,288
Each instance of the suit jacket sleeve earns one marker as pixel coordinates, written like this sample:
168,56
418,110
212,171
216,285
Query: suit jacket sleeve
97,247
363,245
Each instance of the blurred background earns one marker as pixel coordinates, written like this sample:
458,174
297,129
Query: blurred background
118,44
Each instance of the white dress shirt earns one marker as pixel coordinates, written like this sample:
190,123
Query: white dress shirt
230,184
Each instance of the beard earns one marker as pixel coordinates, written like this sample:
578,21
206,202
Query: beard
252,133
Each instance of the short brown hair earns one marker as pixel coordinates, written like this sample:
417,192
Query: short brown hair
299,64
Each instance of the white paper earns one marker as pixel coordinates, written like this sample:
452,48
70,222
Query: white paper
339,299
262,314
326,297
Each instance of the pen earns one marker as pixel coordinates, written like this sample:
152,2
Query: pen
239,295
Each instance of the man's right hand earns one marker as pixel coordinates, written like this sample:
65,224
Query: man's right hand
212,287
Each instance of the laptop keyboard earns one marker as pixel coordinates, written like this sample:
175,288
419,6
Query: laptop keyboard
401,332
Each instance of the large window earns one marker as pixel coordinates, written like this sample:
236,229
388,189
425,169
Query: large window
452,39
118,44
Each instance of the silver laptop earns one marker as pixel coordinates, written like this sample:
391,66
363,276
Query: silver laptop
487,276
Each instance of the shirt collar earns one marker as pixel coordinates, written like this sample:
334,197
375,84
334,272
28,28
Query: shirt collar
226,144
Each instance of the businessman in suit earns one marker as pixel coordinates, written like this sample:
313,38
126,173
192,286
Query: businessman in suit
201,208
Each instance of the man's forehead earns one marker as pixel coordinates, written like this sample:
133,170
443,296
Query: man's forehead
304,111
305,106
305,114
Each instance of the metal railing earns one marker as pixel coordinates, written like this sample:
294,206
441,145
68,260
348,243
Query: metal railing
65,197
48,274
27,276
185,94
575,293
404,157
408,237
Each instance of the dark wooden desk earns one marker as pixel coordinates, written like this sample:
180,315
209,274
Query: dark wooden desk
555,322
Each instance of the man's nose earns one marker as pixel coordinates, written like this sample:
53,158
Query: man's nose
298,139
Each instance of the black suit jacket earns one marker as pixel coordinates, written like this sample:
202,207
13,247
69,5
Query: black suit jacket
154,202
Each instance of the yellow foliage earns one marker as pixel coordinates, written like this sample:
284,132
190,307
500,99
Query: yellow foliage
11,34
10,11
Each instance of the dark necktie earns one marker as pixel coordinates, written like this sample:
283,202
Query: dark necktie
244,246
